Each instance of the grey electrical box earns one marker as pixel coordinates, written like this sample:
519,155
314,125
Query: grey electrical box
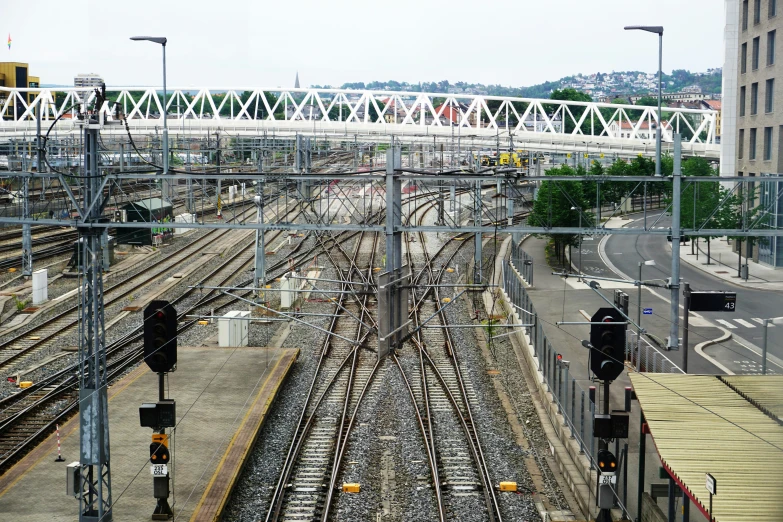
160,487
73,487
605,496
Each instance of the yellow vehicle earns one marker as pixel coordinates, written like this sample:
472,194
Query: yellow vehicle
487,159
516,159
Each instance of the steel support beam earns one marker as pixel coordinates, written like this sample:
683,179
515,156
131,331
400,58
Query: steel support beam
95,500
673,342
478,213
393,298
27,239
259,276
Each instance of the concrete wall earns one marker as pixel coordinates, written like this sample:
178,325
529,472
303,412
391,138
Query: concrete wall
650,510
728,138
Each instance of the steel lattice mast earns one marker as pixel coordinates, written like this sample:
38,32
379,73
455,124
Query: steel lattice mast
95,499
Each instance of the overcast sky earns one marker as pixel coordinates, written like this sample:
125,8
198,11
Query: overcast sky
252,43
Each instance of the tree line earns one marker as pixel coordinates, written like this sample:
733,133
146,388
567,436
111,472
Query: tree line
704,205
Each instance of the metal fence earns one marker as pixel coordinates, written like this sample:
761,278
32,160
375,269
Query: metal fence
645,357
573,401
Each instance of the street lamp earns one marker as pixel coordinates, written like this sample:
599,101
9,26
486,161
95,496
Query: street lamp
580,237
649,262
162,41
765,324
657,29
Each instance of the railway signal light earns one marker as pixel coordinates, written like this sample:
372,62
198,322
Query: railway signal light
608,344
160,336
159,449
607,462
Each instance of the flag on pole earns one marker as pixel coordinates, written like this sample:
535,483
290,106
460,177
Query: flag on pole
9,41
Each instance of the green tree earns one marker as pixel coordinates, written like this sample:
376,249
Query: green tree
705,205
570,94
553,208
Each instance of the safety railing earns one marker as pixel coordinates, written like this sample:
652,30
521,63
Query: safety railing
645,357
575,403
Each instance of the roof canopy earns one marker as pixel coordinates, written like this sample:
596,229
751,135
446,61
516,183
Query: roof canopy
726,426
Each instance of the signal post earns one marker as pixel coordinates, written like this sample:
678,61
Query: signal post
607,361
160,354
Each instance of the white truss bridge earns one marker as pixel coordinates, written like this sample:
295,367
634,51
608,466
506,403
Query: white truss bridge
537,124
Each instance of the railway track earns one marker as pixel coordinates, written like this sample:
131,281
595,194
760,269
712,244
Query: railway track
31,414
345,370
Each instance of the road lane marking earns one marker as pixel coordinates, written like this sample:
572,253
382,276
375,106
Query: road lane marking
726,324
761,322
743,322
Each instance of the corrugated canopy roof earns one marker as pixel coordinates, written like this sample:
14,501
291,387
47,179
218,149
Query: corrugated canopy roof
701,425
764,391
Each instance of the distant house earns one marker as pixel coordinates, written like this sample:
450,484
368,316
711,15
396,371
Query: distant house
626,130
714,105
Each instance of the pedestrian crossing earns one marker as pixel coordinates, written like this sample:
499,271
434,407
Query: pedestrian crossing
742,323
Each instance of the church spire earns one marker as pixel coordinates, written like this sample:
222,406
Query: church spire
296,82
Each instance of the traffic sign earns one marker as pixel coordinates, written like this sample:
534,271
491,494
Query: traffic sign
647,311
607,480
711,484
713,301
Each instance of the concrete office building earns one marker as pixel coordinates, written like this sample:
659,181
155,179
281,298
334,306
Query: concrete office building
759,122
87,80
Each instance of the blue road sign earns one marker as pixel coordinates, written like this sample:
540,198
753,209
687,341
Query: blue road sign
647,311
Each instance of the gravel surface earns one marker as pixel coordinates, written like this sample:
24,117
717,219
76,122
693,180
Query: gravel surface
386,453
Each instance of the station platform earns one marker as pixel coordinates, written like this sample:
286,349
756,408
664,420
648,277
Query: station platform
223,397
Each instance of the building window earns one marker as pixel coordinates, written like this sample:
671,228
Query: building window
745,15
773,8
755,56
756,11
741,151
754,98
767,143
771,47
742,101
769,96
751,191
744,58
752,145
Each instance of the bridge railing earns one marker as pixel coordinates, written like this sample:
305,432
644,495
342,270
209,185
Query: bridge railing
446,113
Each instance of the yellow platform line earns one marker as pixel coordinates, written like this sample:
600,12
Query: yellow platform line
197,513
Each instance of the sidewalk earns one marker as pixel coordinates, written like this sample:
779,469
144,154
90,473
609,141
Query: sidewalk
724,263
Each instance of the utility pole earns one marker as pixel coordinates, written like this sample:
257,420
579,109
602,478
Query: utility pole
392,296
218,202
95,497
477,219
673,343
27,239
686,292
259,276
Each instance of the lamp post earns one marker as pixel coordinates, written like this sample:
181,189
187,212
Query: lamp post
765,324
580,237
649,262
162,41
657,29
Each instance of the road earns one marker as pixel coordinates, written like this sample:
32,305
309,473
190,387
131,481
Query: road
740,354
